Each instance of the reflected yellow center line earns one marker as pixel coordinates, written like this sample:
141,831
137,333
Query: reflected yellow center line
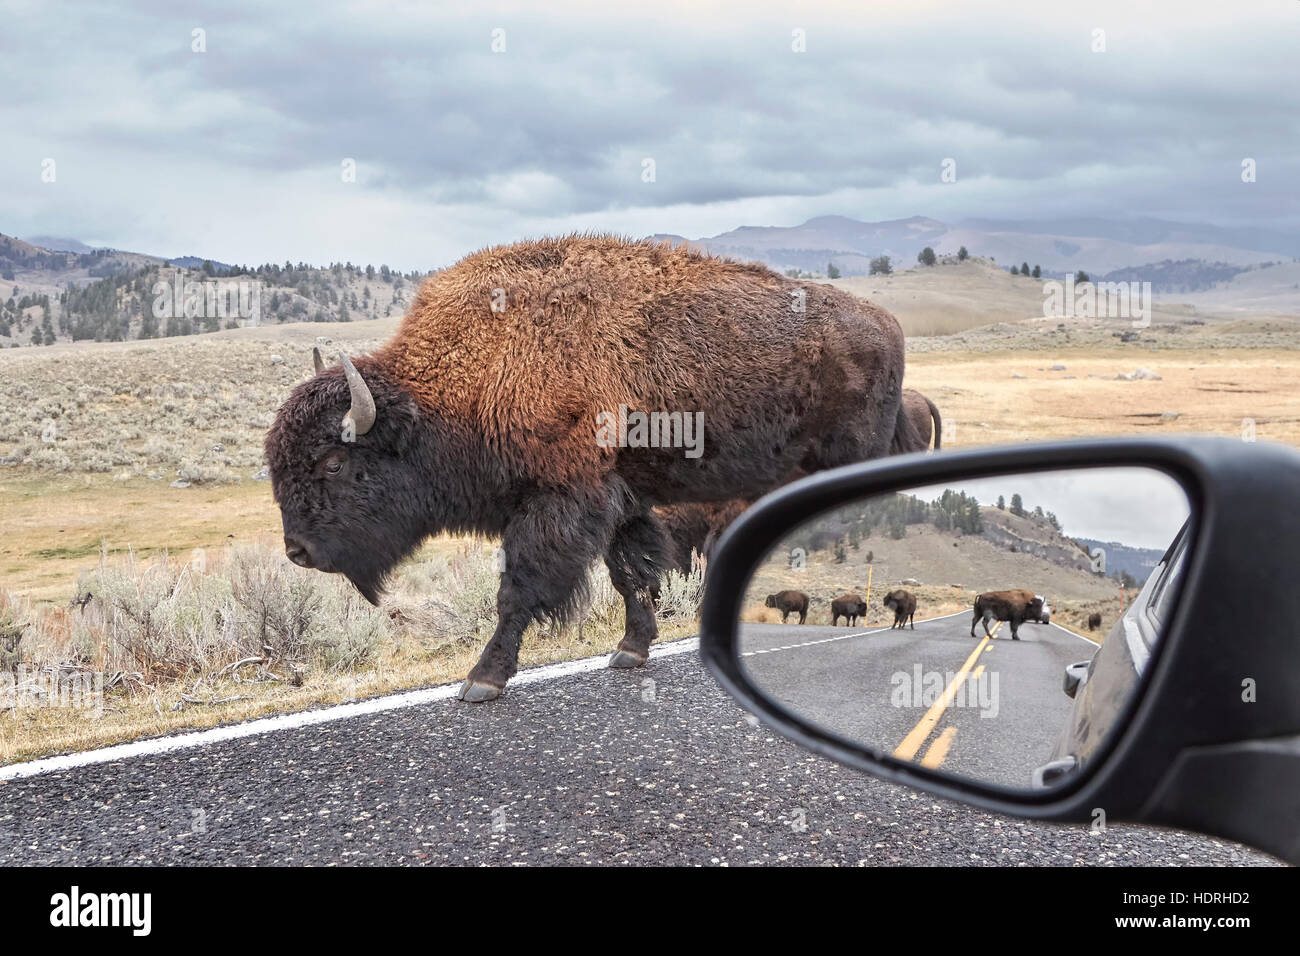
939,749
912,742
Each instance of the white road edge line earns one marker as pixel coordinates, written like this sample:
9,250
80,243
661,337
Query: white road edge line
308,718
839,637
1079,636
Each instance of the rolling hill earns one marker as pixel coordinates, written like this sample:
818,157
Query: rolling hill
50,295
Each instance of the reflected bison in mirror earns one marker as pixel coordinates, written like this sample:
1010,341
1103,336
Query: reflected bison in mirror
903,604
1014,607
789,602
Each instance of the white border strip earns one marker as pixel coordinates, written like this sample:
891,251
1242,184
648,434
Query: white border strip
308,718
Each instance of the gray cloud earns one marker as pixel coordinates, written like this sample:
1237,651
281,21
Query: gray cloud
235,153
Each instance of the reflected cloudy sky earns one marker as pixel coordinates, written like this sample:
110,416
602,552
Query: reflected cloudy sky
235,153
1139,507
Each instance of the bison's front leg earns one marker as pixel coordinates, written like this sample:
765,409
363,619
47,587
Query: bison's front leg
635,559
548,549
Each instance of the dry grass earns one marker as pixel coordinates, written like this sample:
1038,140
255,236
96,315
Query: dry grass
242,632
54,528
191,410
946,299
1212,392
129,418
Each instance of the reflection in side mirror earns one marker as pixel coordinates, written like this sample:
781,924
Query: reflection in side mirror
935,624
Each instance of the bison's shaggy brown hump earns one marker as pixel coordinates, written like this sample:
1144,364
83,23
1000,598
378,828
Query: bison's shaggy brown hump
526,344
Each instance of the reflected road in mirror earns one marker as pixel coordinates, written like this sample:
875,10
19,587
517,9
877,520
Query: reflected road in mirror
941,686
994,628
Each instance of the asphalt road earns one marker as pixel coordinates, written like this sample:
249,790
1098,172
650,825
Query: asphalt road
989,709
654,766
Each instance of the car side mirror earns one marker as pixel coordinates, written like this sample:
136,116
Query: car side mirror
1075,674
945,596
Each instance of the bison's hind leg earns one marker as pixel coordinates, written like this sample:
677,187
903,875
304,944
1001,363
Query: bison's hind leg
636,558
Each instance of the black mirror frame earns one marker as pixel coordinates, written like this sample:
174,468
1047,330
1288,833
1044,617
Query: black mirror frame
1231,769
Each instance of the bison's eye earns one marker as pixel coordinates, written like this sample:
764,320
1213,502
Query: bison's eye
331,464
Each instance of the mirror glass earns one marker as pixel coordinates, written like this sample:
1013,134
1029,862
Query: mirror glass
993,629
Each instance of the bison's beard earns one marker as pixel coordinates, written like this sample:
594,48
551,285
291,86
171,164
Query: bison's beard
371,589
369,568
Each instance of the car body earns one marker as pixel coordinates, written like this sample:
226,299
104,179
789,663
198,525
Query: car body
1103,685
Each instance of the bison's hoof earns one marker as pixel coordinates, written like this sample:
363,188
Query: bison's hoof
622,658
477,692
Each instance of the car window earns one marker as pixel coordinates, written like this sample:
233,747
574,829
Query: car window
1167,586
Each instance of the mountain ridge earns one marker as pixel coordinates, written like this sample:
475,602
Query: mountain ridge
1093,245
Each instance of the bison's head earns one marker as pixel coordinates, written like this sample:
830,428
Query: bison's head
1037,610
771,601
346,457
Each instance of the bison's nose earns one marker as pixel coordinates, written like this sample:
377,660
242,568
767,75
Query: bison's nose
297,553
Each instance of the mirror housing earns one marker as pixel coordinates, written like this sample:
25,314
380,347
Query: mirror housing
1075,675
1211,742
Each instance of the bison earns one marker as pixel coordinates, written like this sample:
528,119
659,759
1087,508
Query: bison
850,607
1094,620
789,602
922,422
903,604
1014,607
695,528
540,393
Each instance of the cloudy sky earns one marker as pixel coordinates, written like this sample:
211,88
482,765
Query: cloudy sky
1139,507
237,153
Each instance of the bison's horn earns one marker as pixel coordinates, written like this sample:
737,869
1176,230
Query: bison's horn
362,412
316,360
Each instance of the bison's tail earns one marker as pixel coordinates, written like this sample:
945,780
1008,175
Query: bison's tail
938,424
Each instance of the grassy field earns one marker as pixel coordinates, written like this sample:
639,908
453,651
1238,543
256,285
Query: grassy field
1212,392
236,631
950,298
119,462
